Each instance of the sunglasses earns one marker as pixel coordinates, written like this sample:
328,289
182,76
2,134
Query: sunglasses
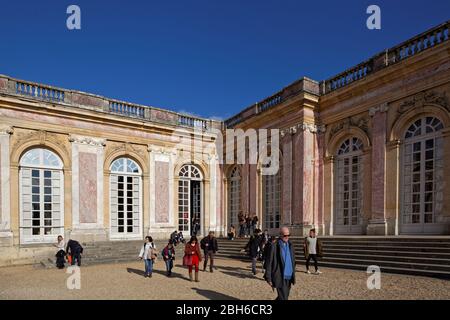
286,235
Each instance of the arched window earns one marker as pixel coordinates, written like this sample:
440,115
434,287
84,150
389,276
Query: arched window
234,196
348,191
272,199
422,174
126,199
190,199
41,196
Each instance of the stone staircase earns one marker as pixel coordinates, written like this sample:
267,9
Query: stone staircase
426,256
111,252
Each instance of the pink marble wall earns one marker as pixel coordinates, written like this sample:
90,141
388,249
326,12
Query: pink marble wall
162,192
3,84
378,164
87,167
287,179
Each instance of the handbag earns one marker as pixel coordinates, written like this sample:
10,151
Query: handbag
153,254
187,260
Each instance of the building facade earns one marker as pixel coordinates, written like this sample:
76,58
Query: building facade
362,153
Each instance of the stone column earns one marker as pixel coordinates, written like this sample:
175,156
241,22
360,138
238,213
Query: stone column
87,188
161,192
377,224
318,181
6,235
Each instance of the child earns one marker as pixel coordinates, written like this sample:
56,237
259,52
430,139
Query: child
168,255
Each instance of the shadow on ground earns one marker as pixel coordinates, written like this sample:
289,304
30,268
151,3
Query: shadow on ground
213,295
142,273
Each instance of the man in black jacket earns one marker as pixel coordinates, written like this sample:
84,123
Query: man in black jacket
254,247
75,249
280,266
210,247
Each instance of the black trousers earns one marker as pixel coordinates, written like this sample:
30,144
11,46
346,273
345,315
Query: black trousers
314,257
283,292
76,256
208,254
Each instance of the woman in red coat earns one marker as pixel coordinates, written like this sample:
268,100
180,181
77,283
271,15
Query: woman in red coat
192,257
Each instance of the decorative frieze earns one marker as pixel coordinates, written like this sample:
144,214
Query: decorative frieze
96,142
361,123
312,128
423,98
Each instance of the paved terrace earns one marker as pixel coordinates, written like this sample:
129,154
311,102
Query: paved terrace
232,280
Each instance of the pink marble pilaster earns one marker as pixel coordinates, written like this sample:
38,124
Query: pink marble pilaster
88,187
162,194
378,165
287,179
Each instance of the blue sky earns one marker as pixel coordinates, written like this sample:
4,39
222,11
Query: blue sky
211,58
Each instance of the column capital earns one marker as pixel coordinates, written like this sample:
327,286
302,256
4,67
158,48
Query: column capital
6,130
381,108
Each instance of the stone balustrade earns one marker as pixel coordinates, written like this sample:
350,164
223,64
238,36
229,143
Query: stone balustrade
36,91
39,91
405,50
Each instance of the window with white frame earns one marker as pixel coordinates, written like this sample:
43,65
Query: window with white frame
126,199
189,198
348,183
41,196
272,202
234,196
422,173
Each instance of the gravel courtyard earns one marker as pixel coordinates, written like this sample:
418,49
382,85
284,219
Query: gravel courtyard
231,280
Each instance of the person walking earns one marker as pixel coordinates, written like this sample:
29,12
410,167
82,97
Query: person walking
192,257
60,254
266,250
312,248
210,247
74,249
248,223
254,247
280,266
168,255
148,255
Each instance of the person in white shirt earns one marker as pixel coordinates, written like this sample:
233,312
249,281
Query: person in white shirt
60,254
313,249
147,254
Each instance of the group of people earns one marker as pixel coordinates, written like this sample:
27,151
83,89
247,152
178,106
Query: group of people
278,258
72,252
177,237
276,254
191,259
247,226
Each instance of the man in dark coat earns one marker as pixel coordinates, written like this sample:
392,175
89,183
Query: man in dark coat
254,247
210,247
75,249
280,266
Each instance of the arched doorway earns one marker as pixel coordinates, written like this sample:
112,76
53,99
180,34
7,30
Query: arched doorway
125,199
41,184
422,177
348,187
190,197
234,197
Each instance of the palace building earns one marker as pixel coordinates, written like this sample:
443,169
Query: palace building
366,152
